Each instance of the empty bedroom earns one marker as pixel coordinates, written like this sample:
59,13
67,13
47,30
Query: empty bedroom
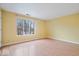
39,29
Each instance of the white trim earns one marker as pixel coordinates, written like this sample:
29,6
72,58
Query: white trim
67,41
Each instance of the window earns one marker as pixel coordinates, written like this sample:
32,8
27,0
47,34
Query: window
25,27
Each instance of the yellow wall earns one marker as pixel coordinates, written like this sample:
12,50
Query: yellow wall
0,12
9,29
0,27
64,28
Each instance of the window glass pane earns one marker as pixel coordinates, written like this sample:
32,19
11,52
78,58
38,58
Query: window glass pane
31,27
25,27
20,27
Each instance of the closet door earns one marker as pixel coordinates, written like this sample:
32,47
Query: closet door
0,28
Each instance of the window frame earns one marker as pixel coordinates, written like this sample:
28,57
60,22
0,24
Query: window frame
31,20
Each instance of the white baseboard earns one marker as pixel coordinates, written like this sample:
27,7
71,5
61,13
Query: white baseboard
67,41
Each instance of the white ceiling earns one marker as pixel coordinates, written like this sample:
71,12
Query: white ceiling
42,10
